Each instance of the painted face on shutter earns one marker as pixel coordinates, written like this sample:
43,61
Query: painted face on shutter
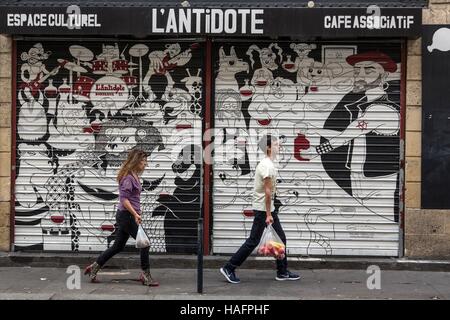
35,55
268,59
177,105
367,75
35,156
302,49
229,65
120,140
173,49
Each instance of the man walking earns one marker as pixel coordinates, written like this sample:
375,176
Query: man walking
264,209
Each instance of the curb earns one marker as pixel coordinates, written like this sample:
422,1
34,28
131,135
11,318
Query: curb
129,261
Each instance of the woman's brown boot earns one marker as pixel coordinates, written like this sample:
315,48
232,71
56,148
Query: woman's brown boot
147,280
92,271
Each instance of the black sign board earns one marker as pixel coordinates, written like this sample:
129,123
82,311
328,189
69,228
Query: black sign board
144,21
436,117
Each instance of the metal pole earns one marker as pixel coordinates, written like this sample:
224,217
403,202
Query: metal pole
200,256
200,229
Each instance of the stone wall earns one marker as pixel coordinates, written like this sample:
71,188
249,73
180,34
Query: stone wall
5,140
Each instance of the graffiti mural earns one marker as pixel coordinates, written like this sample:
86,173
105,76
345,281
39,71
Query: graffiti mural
335,109
80,108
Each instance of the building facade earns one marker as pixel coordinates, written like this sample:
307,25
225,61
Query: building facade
197,87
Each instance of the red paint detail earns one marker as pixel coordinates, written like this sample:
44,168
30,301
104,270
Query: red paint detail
246,93
108,227
166,66
183,126
248,213
362,125
83,86
261,83
64,90
96,127
289,65
35,86
265,122
57,219
301,143
314,89
195,45
51,93
88,130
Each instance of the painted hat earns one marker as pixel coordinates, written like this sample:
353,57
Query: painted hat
384,60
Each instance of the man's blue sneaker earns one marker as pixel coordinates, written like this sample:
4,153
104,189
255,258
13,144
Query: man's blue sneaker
287,276
229,275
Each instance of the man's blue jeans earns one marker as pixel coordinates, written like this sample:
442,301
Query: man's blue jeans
259,224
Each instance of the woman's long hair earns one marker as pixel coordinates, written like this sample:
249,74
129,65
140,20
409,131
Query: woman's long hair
131,164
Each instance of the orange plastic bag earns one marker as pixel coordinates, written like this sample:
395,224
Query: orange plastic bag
271,244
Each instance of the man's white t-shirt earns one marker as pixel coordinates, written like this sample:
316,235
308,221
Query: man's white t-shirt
265,169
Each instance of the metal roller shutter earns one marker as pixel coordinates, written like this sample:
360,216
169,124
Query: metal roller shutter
338,119
81,105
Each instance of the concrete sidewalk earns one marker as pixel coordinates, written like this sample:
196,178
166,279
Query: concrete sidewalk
179,284
131,260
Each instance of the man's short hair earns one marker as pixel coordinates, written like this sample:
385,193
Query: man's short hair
266,142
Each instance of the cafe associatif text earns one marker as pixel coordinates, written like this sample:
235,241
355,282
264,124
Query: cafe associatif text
204,21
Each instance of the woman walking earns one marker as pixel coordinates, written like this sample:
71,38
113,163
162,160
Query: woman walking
127,217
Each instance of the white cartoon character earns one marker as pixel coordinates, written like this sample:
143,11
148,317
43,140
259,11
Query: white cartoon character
268,59
32,120
109,53
229,66
320,87
302,50
163,62
300,196
180,111
279,96
228,110
194,86
35,165
315,77
229,159
228,97
267,56
33,71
